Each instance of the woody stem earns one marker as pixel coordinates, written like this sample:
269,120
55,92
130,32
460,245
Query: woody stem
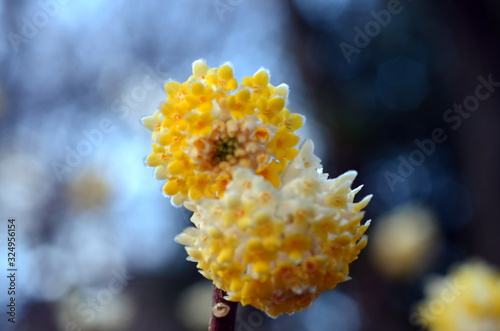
223,312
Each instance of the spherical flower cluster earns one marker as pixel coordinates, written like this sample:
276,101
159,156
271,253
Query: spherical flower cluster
209,125
274,248
467,299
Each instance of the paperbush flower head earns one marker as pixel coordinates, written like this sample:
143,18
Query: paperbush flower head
274,248
211,124
467,299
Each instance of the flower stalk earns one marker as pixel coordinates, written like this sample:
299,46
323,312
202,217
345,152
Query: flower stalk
223,312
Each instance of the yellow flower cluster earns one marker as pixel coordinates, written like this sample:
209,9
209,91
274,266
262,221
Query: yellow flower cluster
271,230
467,299
274,248
211,124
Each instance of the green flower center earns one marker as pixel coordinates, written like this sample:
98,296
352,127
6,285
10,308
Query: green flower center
224,150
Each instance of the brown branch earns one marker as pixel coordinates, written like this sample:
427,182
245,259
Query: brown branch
223,312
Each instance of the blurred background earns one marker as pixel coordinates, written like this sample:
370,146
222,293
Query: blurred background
405,92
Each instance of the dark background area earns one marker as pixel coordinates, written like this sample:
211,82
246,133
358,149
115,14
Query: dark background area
76,76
